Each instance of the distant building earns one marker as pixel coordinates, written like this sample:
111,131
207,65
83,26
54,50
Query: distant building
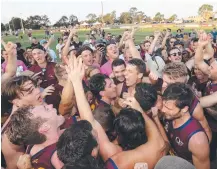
195,19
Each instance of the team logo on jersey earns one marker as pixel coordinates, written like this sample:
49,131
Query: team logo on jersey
178,141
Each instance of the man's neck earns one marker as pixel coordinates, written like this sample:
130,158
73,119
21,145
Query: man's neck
43,65
62,82
182,120
106,100
52,136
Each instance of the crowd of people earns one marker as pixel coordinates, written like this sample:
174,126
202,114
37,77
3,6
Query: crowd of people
109,103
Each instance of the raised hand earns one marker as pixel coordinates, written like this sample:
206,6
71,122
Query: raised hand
204,39
141,166
73,31
132,103
11,49
47,91
75,69
157,34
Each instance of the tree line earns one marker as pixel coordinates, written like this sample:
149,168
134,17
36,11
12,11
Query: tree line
128,17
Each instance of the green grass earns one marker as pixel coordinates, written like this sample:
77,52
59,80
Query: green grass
139,35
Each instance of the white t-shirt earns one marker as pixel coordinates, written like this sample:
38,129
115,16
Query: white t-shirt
58,47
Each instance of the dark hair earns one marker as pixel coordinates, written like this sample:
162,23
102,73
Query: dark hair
140,65
76,143
29,47
18,45
59,39
130,129
173,48
14,87
118,62
146,96
194,40
179,92
39,47
23,127
106,117
85,163
179,30
97,84
83,48
33,37
178,42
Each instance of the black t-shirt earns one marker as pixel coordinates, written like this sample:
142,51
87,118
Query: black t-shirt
201,87
77,45
33,44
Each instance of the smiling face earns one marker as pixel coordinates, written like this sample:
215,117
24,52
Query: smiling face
112,51
87,57
50,114
175,55
213,70
30,96
199,74
118,72
39,56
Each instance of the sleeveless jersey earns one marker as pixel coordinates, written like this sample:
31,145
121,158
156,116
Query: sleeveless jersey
110,164
42,159
68,122
179,137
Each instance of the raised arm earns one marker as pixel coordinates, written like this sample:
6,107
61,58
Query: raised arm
65,50
11,67
199,62
135,53
153,44
76,74
165,39
49,43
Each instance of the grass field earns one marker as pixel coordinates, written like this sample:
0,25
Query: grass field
139,35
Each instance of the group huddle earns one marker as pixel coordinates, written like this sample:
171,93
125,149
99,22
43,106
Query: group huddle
111,104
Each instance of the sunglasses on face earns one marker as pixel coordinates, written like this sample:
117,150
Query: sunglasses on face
176,54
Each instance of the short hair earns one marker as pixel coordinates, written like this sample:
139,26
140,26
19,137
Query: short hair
118,62
181,93
83,48
28,47
23,127
58,71
14,87
194,40
178,42
179,30
175,70
106,117
97,84
77,146
2,50
173,48
140,65
146,41
146,96
130,129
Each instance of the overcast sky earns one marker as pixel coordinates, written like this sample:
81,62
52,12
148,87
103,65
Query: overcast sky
54,9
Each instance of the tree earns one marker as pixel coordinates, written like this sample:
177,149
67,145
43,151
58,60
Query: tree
132,12
158,17
34,22
44,20
110,18
3,27
73,20
15,23
139,16
173,18
91,18
206,11
125,17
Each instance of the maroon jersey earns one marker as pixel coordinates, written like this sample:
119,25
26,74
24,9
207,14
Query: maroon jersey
48,76
68,122
124,89
110,164
42,159
179,137
193,105
211,88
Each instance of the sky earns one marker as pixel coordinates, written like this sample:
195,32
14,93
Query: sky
54,9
